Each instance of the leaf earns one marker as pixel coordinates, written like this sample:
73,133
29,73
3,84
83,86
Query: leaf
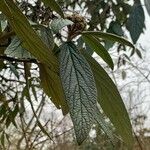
111,101
58,24
80,91
109,37
54,6
99,49
138,53
27,35
47,37
14,70
115,28
15,49
135,23
51,85
147,4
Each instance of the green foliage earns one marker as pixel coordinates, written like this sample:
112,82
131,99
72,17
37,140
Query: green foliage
80,91
24,31
54,6
109,37
111,101
135,23
74,81
99,49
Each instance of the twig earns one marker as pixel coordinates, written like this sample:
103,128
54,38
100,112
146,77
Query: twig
11,59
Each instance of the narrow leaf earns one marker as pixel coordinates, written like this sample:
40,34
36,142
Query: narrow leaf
54,6
99,49
111,101
109,37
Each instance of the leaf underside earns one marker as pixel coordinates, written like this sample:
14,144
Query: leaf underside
80,91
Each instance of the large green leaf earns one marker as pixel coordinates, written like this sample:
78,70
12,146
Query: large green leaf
51,85
109,37
58,24
15,49
147,4
27,35
54,6
135,23
111,101
99,49
80,91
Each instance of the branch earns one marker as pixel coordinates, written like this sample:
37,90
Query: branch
11,59
5,36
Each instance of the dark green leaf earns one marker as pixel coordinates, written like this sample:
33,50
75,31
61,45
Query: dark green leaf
80,91
135,23
54,6
99,49
109,37
115,28
58,24
138,53
111,101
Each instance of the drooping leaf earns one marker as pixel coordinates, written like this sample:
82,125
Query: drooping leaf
135,23
54,6
51,85
138,52
80,91
109,36
111,101
27,35
147,4
58,24
99,49
15,49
